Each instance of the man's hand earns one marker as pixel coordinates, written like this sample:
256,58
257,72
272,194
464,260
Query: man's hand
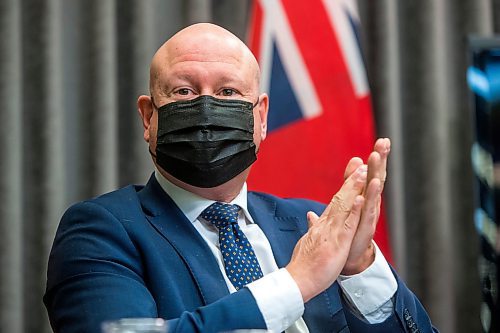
362,252
340,241
320,255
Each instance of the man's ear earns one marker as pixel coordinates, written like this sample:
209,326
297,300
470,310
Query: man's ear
263,109
145,109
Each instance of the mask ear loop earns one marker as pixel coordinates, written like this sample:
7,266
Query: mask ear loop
154,106
256,103
151,152
153,101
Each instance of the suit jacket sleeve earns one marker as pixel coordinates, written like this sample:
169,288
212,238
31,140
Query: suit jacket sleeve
95,275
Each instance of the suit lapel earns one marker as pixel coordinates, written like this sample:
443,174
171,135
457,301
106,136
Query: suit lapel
173,225
282,231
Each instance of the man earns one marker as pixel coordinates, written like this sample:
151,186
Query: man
194,247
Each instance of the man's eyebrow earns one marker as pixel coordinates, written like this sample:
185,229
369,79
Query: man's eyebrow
181,76
172,80
231,79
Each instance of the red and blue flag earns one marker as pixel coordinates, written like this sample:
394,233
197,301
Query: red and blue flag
320,109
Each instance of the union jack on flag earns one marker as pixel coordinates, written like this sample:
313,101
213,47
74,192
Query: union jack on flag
320,109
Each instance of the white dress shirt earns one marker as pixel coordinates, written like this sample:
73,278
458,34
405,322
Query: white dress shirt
277,295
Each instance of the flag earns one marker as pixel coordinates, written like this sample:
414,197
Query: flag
320,109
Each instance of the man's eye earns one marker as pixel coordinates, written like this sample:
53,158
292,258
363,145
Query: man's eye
228,92
183,91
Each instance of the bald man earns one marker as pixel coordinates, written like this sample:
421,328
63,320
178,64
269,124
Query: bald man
193,246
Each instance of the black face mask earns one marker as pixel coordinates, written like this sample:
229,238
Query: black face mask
205,141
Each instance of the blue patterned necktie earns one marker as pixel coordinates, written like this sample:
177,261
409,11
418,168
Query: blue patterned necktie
240,262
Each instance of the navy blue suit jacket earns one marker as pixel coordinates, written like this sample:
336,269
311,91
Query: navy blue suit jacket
133,253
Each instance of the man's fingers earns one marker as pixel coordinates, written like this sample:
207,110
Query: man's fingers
352,221
353,185
374,164
356,176
327,210
353,164
383,147
361,252
341,204
371,208
373,190
312,219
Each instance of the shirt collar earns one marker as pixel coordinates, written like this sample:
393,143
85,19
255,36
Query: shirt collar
193,205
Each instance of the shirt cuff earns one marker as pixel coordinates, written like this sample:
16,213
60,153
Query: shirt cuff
278,298
371,290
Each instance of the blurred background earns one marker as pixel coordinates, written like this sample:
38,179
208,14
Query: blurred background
70,73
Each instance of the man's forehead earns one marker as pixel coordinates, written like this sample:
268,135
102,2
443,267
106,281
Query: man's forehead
204,48
203,44
206,55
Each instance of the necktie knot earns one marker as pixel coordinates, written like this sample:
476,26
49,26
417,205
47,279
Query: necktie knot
220,214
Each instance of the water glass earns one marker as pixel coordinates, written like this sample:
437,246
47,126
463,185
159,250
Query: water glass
135,325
